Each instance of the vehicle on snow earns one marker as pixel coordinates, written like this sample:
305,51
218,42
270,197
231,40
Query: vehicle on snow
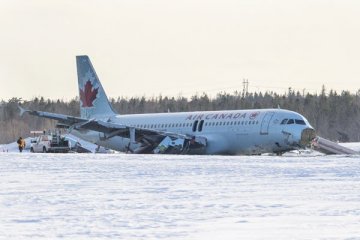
50,143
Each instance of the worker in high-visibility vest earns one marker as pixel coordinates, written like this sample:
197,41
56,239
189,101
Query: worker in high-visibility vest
21,143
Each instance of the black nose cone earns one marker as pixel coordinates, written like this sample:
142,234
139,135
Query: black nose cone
307,135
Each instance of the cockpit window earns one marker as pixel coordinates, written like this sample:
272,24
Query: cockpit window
291,121
284,121
301,122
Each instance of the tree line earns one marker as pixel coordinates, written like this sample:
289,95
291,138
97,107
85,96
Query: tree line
334,115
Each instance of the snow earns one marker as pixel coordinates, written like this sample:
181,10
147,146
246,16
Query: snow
120,196
352,145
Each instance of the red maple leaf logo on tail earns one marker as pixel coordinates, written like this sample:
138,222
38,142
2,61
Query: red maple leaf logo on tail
88,94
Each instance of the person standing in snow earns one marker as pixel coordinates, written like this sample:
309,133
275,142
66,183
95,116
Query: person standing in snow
21,143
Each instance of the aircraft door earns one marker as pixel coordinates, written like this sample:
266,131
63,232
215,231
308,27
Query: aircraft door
264,129
200,125
195,126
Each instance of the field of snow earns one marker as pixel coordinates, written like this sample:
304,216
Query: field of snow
119,196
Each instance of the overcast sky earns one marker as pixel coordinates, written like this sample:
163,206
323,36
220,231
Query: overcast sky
178,47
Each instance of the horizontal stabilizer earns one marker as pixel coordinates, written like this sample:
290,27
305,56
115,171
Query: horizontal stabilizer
64,119
22,110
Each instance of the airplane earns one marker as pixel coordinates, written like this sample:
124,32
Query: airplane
230,132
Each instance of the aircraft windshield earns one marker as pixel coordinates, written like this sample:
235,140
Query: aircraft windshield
284,121
301,122
293,121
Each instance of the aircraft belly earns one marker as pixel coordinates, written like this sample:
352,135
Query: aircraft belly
255,143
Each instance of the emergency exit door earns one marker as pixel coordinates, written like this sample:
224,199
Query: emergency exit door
265,123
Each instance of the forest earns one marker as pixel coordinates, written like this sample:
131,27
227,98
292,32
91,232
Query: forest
335,116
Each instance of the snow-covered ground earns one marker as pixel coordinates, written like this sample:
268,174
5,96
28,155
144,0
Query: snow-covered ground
119,196
352,145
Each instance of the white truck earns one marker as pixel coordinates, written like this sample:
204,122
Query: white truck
50,143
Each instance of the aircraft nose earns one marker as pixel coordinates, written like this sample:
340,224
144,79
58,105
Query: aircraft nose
307,135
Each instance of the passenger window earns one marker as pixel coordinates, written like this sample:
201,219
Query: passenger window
291,121
284,121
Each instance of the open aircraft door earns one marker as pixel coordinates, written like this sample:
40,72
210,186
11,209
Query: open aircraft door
265,123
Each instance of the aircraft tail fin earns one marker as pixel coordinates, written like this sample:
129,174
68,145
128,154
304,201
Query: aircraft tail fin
93,99
22,110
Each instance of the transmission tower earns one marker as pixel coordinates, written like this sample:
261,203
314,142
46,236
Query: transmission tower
245,88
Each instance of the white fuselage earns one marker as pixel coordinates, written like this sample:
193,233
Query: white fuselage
227,132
